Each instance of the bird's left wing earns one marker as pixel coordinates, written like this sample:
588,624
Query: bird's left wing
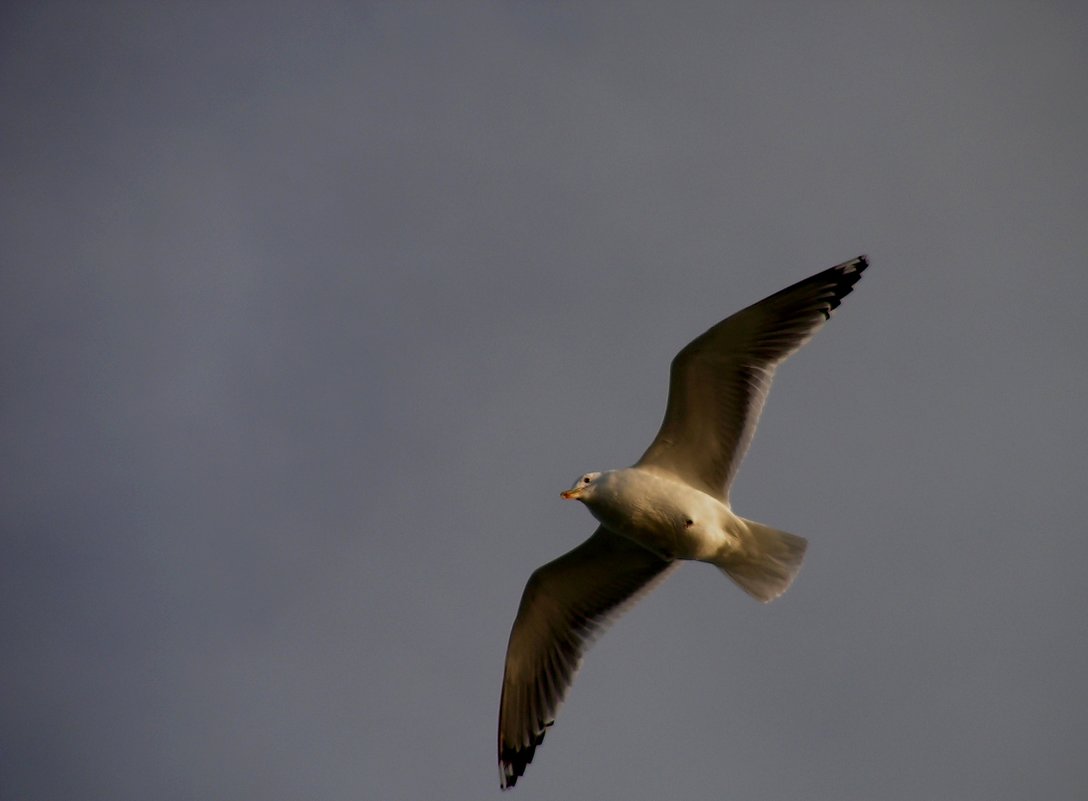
719,381
566,604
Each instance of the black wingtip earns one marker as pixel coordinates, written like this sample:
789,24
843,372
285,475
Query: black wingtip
860,264
513,761
845,276
853,267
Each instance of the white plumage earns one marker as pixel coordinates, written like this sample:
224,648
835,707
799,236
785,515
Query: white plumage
672,505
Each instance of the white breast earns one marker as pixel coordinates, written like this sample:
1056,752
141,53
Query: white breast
662,513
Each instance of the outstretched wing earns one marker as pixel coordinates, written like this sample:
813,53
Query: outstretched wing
566,604
719,381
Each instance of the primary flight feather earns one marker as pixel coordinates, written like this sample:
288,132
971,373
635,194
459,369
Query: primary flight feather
673,504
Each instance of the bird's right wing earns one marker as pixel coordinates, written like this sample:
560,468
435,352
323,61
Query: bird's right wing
566,604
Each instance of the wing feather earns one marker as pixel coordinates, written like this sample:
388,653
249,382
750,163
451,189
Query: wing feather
719,382
566,604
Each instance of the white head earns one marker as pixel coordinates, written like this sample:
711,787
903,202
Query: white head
583,488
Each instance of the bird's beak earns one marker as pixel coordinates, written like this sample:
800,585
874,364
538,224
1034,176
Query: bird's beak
573,494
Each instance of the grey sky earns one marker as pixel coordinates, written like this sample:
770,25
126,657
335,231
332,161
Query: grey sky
309,313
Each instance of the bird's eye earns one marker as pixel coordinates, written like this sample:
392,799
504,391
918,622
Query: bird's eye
585,479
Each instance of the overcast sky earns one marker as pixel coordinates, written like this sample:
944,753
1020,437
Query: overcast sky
308,312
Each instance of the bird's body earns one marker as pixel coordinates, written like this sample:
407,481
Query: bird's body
663,514
673,505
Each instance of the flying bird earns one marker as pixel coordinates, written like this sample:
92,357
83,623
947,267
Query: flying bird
672,505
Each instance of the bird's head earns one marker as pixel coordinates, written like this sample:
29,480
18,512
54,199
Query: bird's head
583,488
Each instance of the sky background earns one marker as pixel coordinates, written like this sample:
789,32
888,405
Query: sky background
309,311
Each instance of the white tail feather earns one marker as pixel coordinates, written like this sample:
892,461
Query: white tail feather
766,563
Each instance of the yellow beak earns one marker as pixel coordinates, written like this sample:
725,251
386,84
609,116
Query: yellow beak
573,494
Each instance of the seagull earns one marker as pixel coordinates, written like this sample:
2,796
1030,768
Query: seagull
672,505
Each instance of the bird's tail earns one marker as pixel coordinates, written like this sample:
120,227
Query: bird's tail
766,562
